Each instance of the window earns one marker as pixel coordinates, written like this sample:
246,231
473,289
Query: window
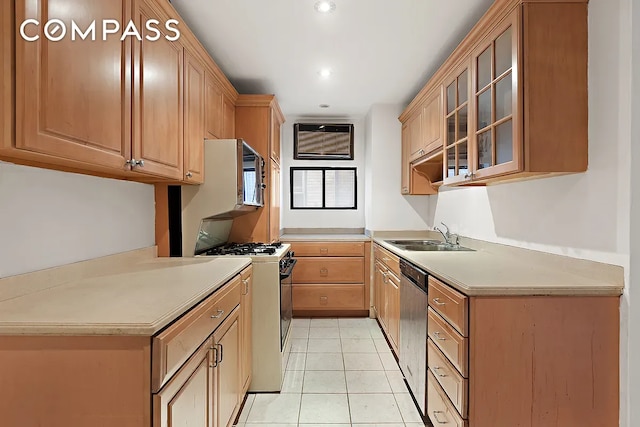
323,188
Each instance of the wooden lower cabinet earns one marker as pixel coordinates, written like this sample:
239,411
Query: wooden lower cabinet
109,381
387,294
187,399
227,387
331,278
246,307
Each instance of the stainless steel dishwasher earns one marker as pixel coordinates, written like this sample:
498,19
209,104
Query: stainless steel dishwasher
413,331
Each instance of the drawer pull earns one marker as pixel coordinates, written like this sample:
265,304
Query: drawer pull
436,369
217,316
385,259
435,416
221,352
438,337
324,272
215,357
324,250
437,301
386,278
245,282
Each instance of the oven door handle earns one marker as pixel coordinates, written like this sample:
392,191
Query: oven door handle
285,274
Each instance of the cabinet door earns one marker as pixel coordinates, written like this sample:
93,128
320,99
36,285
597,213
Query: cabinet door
227,387
186,400
431,124
213,108
73,98
246,306
406,162
158,102
275,137
194,95
498,144
228,118
456,122
392,294
274,205
414,135
379,297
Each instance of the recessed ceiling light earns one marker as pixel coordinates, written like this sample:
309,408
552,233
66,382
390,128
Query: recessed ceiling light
325,73
323,105
325,6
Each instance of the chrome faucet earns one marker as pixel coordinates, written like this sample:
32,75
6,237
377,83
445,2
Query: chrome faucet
448,236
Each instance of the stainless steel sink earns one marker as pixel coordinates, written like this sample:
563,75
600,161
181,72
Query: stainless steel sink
427,246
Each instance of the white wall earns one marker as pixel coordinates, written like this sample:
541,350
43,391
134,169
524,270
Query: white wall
50,218
322,218
630,375
386,208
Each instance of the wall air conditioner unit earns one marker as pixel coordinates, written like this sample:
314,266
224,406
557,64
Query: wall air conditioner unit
316,141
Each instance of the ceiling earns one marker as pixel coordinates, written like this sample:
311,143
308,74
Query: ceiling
378,51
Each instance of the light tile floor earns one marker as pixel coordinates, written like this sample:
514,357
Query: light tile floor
341,372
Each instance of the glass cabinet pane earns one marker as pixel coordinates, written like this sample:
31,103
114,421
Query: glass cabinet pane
451,129
451,162
485,150
504,99
504,142
462,122
463,159
484,69
451,98
463,84
504,55
484,109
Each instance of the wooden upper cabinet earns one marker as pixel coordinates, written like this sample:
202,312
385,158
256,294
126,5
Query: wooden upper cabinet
158,101
228,118
194,118
73,98
213,110
427,137
457,96
275,136
497,148
515,96
406,165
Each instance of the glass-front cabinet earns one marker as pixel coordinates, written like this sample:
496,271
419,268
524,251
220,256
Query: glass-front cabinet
456,122
497,147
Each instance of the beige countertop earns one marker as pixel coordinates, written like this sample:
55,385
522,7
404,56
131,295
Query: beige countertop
325,237
494,269
140,299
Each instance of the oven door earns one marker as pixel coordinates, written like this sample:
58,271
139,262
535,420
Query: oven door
286,301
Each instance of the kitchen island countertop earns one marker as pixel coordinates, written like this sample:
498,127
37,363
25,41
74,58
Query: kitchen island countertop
140,299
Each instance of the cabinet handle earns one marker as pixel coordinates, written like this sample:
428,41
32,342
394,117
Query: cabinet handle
405,189
324,250
421,151
215,357
438,337
385,259
189,174
217,316
436,301
133,163
469,175
324,272
435,416
386,278
245,282
436,369
221,352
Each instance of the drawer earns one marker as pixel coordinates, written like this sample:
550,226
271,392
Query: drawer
450,304
454,346
329,270
172,347
302,249
321,296
454,385
387,258
439,408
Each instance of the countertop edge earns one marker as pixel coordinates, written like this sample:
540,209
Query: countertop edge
292,238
